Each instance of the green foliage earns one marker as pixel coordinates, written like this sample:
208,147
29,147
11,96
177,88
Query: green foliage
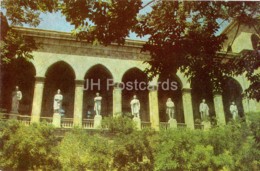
15,45
119,125
18,12
27,148
182,150
133,151
78,151
102,21
231,147
28,12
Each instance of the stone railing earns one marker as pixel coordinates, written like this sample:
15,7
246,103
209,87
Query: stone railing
198,126
67,122
48,120
24,119
181,125
145,125
164,125
88,124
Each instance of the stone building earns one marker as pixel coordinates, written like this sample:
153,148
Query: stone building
63,63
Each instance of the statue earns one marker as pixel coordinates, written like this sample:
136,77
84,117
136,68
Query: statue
233,110
170,108
57,102
135,107
97,105
16,98
204,109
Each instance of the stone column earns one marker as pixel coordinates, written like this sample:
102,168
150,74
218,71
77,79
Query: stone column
245,102
78,103
117,100
219,109
37,99
154,107
187,107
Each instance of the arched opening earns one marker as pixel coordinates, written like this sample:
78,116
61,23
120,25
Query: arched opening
170,87
98,79
59,76
131,80
19,72
232,92
201,88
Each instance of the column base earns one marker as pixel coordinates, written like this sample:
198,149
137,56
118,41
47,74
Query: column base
56,121
172,123
97,121
137,121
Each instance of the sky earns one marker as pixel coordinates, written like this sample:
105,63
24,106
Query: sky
56,21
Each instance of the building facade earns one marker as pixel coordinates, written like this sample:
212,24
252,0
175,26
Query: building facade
62,62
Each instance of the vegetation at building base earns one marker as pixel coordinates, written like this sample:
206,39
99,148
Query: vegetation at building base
235,146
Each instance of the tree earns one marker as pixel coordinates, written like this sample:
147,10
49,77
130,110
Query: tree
182,35
20,12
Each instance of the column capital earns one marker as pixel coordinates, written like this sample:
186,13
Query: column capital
118,85
39,79
217,92
153,87
186,90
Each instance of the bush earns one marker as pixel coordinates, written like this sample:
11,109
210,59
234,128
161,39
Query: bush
119,125
78,151
29,147
133,151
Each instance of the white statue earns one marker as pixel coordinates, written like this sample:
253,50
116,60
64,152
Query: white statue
204,109
57,104
233,110
16,97
135,107
97,105
170,108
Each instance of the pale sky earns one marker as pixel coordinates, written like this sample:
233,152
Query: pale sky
56,21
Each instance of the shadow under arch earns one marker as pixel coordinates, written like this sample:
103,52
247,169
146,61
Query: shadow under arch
131,86
232,92
98,79
170,87
59,75
20,72
201,88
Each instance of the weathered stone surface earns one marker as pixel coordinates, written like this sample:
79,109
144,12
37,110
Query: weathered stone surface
97,121
56,121
173,123
137,121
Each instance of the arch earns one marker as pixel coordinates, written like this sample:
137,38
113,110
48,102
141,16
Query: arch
98,79
20,72
201,88
59,75
129,90
124,70
175,93
232,91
